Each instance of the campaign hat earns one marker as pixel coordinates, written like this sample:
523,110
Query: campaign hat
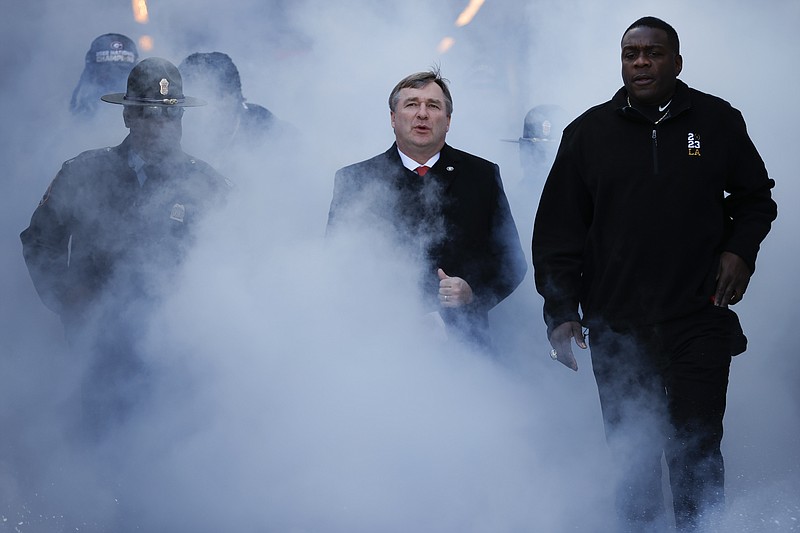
154,81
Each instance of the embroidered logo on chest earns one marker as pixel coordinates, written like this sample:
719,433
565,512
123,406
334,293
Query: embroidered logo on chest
693,144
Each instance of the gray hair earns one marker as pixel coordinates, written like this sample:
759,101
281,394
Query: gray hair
419,80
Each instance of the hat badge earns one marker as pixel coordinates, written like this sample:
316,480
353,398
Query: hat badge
163,86
546,125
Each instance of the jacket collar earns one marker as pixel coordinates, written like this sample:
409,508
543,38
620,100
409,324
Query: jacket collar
681,102
174,157
444,170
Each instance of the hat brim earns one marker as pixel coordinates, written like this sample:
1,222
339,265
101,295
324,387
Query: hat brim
119,98
528,140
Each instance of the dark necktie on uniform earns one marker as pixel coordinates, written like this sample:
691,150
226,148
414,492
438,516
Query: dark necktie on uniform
421,170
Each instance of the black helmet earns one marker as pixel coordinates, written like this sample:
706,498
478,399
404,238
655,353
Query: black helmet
154,82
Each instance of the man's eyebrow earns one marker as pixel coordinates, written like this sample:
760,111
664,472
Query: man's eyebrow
427,100
645,46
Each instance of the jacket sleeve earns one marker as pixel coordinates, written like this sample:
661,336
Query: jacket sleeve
749,206
560,230
45,245
341,193
506,265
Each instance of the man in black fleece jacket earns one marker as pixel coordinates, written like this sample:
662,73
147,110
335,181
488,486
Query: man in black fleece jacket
650,221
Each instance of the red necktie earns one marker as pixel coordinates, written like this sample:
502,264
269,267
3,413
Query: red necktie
421,170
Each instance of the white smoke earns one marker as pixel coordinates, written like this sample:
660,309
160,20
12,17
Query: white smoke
295,388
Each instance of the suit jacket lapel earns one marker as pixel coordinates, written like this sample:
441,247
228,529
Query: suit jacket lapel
396,173
446,168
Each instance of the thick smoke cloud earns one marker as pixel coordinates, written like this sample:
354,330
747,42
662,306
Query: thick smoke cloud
295,387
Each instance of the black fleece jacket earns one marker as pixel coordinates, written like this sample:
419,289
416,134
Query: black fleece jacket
635,213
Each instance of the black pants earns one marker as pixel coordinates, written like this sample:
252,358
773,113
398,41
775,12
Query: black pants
663,390
117,378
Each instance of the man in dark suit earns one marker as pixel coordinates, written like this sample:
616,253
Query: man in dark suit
445,206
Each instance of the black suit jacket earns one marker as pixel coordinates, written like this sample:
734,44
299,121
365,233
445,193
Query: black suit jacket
456,218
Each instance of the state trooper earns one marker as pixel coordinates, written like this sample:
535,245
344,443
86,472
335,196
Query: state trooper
541,133
113,227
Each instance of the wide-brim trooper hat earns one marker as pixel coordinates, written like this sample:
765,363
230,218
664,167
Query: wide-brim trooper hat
543,123
154,82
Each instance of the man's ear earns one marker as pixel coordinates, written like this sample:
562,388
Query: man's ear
391,118
678,64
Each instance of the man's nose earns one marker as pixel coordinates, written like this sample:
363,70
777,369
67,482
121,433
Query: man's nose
422,110
642,60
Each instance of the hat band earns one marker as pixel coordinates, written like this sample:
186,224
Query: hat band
535,140
167,101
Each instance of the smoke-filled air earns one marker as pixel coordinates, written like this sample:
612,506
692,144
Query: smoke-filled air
290,380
